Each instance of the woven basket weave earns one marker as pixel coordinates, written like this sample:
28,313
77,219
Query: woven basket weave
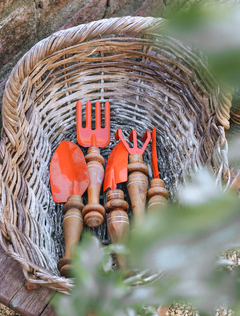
149,79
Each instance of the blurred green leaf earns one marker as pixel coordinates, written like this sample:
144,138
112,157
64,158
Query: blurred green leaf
97,289
150,311
234,152
213,28
183,243
117,249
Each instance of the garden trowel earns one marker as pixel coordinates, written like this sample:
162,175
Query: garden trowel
69,180
117,219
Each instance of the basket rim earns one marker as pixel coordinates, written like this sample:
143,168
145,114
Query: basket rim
58,41
76,35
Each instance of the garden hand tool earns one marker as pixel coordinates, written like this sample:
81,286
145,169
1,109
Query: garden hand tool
117,220
93,213
69,180
157,194
137,184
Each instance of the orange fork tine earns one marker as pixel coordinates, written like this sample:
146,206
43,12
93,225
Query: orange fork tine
97,115
99,137
88,115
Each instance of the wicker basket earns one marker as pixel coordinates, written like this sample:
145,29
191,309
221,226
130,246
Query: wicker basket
149,79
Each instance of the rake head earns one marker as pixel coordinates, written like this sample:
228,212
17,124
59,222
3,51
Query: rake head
99,137
133,138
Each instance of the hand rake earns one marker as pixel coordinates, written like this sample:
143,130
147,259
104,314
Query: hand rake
93,213
137,183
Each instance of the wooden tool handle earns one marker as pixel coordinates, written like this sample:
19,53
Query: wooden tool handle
117,221
94,212
157,195
72,228
137,186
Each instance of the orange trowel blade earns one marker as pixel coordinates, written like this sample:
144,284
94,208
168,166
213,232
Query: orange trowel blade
68,172
116,168
154,154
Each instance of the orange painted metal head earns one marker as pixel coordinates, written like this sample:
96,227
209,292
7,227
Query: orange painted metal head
86,136
116,168
154,154
133,137
68,172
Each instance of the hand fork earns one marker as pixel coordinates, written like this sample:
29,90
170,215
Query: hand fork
137,183
93,213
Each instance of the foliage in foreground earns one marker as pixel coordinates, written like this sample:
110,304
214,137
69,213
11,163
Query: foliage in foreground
181,244
211,26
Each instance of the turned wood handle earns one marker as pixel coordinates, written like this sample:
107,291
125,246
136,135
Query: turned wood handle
94,212
137,186
117,221
72,228
157,196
